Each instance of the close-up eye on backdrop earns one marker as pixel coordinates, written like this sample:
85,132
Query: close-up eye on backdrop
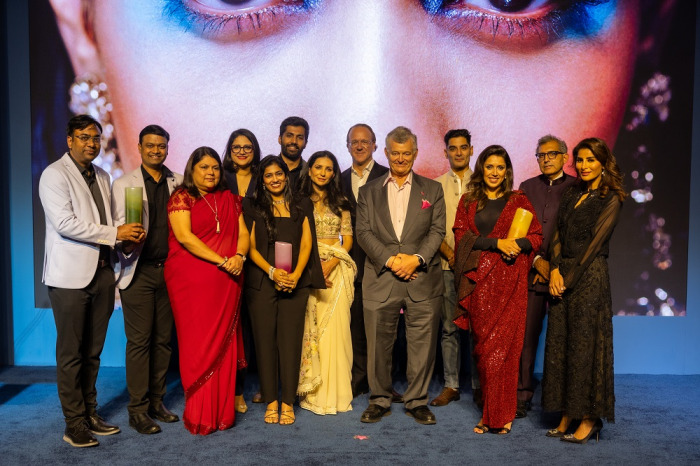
511,71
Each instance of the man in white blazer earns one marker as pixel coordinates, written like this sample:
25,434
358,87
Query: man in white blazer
80,233
148,318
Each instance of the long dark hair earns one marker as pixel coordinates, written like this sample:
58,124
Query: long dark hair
335,199
611,179
187,180
476,188
228,159
263,201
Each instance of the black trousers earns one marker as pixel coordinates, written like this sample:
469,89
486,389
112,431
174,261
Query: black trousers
536,309
148,324
359,381
277,318
81,318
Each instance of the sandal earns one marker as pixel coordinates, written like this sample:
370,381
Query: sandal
287,415
239,404
480,429
504,430
272,414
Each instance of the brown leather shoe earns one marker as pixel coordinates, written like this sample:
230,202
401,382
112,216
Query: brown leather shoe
448,394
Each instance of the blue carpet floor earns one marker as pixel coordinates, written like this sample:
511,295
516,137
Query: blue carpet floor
657,423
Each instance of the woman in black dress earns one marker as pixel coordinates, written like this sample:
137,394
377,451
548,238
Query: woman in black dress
241,158
578,373
276,298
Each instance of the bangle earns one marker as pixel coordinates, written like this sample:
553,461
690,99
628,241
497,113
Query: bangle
242,256
270,273
225,260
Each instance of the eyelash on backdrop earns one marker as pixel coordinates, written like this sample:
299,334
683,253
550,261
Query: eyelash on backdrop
209,23
546,20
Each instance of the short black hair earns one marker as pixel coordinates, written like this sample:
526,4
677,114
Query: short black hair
458,133
79,122
295,121
154,129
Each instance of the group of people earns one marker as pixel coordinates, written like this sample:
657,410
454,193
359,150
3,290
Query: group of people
316,267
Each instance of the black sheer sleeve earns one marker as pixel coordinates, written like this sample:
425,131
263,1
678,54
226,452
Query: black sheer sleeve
602,231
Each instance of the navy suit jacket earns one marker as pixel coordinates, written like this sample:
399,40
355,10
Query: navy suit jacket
357,254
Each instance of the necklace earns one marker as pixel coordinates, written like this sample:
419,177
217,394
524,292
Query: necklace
280,202
494,198
215,210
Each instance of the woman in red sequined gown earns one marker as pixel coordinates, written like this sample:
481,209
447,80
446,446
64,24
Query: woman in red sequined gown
491,276
208,242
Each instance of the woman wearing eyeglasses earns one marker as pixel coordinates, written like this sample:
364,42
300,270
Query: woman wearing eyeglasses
241,157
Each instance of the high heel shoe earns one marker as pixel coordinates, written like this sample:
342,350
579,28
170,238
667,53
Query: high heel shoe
556,433
597,427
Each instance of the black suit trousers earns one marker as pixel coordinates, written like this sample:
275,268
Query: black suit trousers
148,324
277,318
81,317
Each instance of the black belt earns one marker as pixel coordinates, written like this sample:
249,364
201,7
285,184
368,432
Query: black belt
152,263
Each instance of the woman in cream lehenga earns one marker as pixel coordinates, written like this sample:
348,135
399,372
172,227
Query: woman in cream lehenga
326,360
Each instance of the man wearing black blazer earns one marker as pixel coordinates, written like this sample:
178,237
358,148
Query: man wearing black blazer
544,192
361,143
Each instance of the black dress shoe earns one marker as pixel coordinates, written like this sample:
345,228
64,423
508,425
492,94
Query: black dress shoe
99,426
422,415
143,424
396,397
80,436
160,413
522,409
374,413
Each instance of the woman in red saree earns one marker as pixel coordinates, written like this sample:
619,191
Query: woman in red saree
491,277
208,242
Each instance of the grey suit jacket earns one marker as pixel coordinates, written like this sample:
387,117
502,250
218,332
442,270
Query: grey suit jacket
126,266
422,234
73,230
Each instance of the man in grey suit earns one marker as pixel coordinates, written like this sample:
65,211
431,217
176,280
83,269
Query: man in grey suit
400,226
148,318
361,143
79,235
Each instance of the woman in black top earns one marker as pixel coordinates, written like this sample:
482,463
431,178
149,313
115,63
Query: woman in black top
578,372
241,158
276,298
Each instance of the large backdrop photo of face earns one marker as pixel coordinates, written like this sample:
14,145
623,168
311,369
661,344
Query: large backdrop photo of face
510,72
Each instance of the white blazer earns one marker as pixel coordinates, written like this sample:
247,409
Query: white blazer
125,268
73,230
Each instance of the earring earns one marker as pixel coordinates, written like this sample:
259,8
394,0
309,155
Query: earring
654,96
89,95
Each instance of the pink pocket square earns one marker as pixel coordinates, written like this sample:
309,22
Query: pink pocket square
425,204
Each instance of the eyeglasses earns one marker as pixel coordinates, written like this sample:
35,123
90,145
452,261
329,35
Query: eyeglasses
84,138
551,155
362,142
246,149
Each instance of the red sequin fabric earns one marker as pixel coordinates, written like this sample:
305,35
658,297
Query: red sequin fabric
496,308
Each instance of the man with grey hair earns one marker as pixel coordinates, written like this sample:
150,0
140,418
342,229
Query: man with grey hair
400,226
544,192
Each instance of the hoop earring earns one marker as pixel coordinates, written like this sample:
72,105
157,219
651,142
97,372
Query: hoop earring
89,95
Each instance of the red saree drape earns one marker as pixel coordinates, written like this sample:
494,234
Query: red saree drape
206,304
496,309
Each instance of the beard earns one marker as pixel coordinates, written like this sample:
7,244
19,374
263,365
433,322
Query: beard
294,156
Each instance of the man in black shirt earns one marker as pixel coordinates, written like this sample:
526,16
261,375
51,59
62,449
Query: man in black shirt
294,133
148,318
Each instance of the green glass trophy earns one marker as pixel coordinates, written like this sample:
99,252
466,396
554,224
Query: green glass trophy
134,205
